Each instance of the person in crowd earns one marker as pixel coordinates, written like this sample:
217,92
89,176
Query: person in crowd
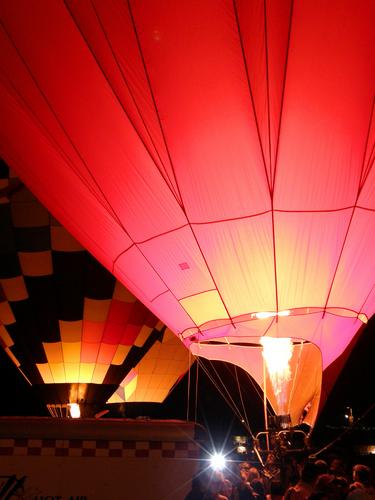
323,485
244,490
197,489
305,486
271,477
337,468
256,484
215,487
340,482
291,473
228,490
328,487
321,466
361,488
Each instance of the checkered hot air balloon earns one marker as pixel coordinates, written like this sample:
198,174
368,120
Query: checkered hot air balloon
71,328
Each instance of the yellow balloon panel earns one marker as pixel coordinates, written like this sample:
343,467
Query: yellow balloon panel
156,374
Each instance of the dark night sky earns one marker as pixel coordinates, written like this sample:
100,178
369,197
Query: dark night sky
355,387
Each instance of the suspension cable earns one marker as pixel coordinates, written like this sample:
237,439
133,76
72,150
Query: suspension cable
240,393
196,389
227,398
257,390
188,390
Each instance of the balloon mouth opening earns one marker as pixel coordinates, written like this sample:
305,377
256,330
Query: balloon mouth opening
251,342
218,328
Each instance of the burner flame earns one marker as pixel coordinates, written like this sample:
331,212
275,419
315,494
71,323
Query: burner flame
277,353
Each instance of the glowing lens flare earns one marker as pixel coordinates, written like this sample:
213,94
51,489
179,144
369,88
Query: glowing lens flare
277,354
217,461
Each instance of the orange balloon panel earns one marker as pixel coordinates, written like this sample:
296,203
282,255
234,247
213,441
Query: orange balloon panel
155,375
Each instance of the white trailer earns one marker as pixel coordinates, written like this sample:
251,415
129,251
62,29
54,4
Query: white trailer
91,459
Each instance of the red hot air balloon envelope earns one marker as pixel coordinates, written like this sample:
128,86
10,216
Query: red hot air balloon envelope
217,157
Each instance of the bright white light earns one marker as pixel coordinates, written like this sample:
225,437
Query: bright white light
217,461
241,449
263,315
277,353
75,411
267,314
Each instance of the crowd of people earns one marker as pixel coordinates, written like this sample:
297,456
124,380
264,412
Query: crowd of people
313,480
